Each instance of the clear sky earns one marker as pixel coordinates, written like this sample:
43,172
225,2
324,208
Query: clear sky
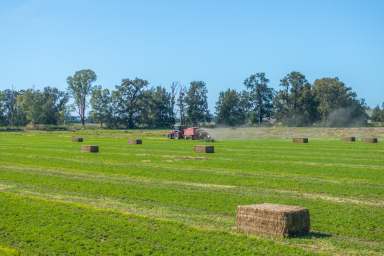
219,42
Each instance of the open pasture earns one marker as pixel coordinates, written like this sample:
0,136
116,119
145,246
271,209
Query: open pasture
163,198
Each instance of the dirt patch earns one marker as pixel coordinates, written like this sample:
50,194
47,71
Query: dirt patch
334,199
4,187
293,132
190,158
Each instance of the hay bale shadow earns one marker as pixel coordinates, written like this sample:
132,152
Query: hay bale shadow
312,235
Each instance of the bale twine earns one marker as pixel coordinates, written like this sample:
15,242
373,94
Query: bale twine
135,141
204,149
370,140
300,140
349,139
273,219
77,139
90,148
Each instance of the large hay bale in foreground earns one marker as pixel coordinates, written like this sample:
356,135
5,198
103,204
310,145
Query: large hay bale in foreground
77,139
370,140
349,139
90,148
204,149
273,219
300,140
135,141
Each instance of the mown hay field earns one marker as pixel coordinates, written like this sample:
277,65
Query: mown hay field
162,198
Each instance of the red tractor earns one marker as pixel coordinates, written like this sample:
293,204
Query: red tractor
180,132
191,133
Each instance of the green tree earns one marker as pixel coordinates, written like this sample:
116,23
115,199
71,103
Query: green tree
378,114
174,87
306,110
101,101
115,120
13,114
197,103
31,104
128,94
54,105
181,104
260,96
293,84
43,107
156,108
3,119
295,104
163,110
338,104
230,109
80,87
281,110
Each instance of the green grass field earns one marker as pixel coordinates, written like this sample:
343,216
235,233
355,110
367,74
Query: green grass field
160,198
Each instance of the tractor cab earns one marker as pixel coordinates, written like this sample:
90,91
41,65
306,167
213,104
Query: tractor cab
177,132
191,133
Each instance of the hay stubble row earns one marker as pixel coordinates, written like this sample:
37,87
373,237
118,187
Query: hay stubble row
345,139
365,140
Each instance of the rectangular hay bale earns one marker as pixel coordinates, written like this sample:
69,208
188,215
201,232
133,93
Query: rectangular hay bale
370,140
273,219
90,148
77,139
349,139
204,149
135,141
300,140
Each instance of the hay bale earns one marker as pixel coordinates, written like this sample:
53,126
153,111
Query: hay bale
273,219
135,141
204,149
370,140
77,139
90,148
349,139
300,140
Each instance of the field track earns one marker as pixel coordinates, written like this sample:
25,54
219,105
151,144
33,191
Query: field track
162,198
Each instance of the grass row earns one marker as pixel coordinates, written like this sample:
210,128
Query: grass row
35,227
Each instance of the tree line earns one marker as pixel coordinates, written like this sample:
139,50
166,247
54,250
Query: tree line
135,104
326,102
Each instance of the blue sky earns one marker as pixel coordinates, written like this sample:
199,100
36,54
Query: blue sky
219,42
